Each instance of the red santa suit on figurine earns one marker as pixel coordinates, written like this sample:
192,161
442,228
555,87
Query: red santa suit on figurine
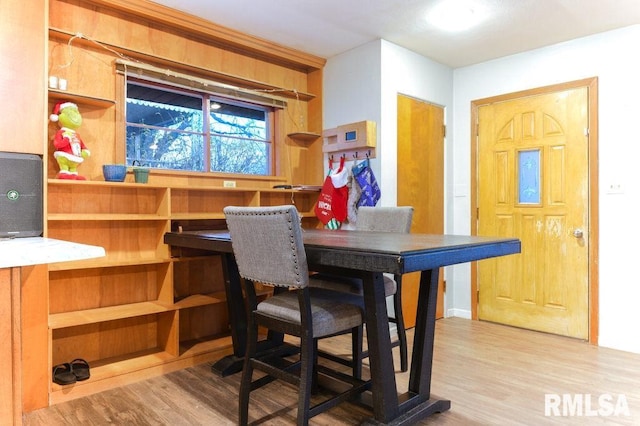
70,149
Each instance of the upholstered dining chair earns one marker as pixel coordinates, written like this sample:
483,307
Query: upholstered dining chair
268,248
380,219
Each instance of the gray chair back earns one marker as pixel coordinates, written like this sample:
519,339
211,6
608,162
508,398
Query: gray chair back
385,219
275,255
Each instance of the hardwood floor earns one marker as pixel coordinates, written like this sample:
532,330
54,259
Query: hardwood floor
493,375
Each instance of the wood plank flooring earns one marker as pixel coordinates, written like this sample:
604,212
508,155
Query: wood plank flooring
493,375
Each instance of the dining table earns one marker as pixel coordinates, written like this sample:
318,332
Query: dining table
366,255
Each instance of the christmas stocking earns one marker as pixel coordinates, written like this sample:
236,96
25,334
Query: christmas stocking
354,197
340,193
370,189
323,206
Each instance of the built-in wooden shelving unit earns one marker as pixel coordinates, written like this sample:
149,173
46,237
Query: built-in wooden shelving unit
145,309
138,302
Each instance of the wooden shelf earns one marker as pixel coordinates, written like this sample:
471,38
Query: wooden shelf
206,258
111,313
105,263
206,344
101,184
112,372
104,217
353,141
304,136
110,201
61,95
294,190
303,214
307,214
201,300
110,367
198,216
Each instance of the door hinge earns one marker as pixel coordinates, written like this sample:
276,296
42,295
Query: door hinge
477,213
444,286
478,296
444,130
586,131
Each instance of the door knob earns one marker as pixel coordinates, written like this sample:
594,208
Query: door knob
578,233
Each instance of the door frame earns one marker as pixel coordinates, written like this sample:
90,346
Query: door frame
592,86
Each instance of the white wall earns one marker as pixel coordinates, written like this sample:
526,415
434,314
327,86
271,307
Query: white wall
405,72
362,84
613,58
352,89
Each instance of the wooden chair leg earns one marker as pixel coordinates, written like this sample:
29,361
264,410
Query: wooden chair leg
356,351
314,379
307,357
402,334
247,374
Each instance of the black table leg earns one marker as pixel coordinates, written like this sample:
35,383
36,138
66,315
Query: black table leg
383,386
232,364
237,318
422,357
416,404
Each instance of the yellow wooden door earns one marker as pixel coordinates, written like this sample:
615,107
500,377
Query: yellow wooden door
421,183
533,169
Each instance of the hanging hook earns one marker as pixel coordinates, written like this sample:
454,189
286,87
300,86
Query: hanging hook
355,155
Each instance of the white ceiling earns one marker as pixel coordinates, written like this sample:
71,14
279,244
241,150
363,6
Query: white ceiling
328,27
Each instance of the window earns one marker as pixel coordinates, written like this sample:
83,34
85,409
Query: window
529,177
239,138
173,128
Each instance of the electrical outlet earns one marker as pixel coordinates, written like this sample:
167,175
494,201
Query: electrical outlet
229,183
615,188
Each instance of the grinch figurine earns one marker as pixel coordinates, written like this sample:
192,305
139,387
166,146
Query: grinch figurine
70,150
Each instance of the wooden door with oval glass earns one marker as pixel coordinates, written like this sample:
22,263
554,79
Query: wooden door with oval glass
533,183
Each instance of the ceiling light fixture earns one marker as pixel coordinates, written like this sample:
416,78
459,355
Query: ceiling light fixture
456,15
215,105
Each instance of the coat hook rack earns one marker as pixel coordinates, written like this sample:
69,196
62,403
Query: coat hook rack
350,139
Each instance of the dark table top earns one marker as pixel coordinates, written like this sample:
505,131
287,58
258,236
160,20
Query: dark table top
371,251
